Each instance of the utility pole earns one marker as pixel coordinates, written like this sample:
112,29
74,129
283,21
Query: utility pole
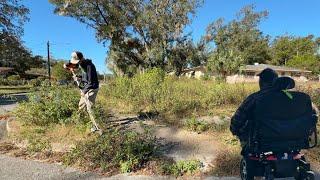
49,70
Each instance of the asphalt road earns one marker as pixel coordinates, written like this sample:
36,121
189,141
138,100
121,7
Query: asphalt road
9,102
18,169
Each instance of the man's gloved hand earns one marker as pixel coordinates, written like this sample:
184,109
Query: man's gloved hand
75,78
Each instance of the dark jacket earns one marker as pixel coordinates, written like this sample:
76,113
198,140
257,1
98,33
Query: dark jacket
239,121
272,96
89,78
283,121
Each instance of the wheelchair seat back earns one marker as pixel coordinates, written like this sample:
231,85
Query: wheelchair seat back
282,122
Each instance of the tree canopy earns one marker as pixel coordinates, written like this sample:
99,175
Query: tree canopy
238,42
142,34
286,47
12,51
14,54
306,61
12,16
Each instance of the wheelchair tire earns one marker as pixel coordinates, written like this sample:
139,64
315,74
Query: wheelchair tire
309,175
246,172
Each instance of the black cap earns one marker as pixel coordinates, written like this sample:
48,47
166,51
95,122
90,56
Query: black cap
268,75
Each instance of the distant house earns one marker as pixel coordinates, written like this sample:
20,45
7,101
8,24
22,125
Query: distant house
4,71
196,72
253,70
249,73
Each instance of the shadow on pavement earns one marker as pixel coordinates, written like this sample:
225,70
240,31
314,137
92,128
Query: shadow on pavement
12,99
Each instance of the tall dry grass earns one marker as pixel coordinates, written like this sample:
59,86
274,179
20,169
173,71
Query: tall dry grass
155,91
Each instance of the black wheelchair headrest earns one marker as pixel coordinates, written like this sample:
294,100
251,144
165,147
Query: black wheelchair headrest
283,83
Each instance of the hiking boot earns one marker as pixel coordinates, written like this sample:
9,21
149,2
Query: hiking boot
95,129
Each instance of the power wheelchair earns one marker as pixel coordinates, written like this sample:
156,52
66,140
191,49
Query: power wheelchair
277,135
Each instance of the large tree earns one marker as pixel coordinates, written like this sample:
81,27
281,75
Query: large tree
284,48
12,16
12,51
14,54
238,42
141,33
306,61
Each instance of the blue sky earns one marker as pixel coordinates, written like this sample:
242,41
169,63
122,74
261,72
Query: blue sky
293,17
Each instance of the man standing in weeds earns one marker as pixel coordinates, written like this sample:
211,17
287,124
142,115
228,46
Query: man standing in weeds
88,84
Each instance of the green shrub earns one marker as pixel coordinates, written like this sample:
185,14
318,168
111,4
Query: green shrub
34,82
193,124
4,82
45,83
199,126
181,167
60,73
231,140
38,145
147,88
223,125
41,78
49,106
14,78
206,77
125,151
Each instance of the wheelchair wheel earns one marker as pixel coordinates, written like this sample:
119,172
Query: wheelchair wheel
246,170
309,175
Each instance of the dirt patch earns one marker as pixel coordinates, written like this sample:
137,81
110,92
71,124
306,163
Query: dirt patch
4,117
6,147
11,149
180,144
226,163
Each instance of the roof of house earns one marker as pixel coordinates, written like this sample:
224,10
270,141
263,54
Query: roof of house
6,69
260,67
198,68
